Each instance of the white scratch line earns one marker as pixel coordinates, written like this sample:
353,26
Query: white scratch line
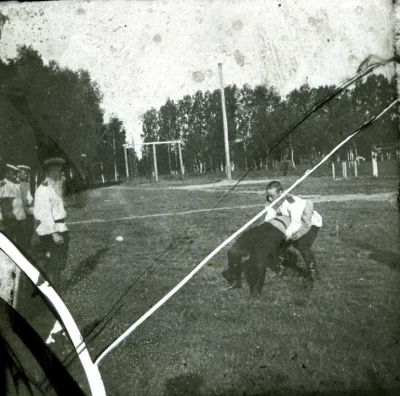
328,198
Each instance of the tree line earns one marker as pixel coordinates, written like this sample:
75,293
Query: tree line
258,116
64,107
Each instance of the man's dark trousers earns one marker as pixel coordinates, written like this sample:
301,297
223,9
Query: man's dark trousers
304,244
56,256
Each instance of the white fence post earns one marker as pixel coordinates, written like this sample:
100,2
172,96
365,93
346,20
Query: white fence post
374,156
344,169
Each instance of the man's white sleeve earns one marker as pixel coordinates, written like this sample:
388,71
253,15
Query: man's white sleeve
295,210
29,198
271,214
42,212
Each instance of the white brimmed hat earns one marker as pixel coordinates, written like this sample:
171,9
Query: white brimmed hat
12,167
54,161
23,167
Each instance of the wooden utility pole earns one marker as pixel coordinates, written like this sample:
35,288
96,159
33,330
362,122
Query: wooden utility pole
180,158
126,163
225,121
344,169
155,162
115,160
374,156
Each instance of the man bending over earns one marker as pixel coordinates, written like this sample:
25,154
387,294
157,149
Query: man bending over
291,221
304,225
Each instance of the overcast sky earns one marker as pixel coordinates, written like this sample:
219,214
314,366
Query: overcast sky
141,52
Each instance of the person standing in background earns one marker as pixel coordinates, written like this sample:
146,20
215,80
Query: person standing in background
49,211
12,212
27,200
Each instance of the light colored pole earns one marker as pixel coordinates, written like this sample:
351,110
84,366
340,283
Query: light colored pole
226,140
115,160
180,158
333,170
126,163
374,156
155,162
102,171
344,169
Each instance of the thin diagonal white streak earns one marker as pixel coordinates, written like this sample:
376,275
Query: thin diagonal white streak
124,335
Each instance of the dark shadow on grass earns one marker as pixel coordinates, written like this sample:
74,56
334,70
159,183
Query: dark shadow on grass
85,268
185,384
265,381
391,259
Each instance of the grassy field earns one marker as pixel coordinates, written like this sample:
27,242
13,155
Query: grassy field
338,338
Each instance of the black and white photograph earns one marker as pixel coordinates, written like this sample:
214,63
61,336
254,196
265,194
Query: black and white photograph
199,197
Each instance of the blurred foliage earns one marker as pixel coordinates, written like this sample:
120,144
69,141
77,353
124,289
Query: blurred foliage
48,110
258,116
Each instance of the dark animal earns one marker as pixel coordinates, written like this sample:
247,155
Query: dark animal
264,245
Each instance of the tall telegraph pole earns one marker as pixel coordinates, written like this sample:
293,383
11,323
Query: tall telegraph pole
226,140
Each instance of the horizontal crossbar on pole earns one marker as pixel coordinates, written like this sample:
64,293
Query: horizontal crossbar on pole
129,145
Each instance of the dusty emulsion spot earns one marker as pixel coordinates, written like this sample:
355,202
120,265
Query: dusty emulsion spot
198,76
157,38
237,25
315,21
239,58
80,11
209,73
224,48
359,10
352,58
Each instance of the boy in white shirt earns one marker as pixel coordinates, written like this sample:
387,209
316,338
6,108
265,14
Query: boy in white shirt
304,226
292,221
49,211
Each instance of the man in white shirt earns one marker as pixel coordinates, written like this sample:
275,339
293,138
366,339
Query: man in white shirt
12,212
304,226
291,221
27,200
49,211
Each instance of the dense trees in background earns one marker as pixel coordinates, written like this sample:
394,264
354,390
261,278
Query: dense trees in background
258,116
66,106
